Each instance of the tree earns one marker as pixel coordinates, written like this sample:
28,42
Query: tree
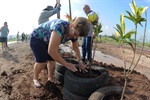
123,37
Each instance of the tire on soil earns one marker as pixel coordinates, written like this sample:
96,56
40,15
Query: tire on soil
83,86
59,77
61,69
70,96
100,93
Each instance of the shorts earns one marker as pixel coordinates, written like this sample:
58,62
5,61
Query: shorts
3,39
40,50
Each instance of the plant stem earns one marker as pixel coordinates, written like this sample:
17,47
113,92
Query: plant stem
142,46
134,51
124,88
94,49
123,55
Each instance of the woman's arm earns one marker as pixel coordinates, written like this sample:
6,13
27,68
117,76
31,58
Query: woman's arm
53,48
54,42
76,49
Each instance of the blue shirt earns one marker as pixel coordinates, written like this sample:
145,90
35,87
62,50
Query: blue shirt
43,31
4,31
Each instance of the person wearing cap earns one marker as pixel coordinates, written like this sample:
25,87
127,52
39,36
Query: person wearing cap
45,40
48,12
87,41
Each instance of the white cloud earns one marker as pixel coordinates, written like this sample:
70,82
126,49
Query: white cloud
106,27
107,30
77,1
77,13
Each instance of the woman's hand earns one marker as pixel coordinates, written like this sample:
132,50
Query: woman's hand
71,67
82,67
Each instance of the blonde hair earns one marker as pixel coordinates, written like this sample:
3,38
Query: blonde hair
82,25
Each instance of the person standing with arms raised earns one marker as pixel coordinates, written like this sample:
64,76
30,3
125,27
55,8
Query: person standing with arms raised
48,12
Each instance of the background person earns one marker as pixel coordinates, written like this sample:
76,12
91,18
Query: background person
17,37
26,37
48,12
23,36
4,33
87,41
45,42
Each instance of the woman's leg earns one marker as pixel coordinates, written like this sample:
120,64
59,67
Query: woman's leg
3,46
3,43
37,69
39,49
51,69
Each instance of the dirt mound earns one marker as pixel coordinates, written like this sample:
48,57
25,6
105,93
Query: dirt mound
16,73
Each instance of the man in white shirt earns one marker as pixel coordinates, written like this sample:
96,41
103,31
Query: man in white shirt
87,41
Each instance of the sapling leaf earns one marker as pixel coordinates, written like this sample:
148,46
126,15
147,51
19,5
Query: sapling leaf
128,34
114,38
120,30
130,45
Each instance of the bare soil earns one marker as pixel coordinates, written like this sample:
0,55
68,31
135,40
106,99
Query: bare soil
16,73
115,50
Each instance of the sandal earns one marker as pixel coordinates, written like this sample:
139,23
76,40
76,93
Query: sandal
37,83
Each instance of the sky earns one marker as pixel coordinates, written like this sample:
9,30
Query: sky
22,15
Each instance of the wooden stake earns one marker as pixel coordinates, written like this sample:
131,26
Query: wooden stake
70,9
58,14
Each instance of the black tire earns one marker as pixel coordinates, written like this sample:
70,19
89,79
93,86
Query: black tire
60,68
70,96
59,77
84,86
71,60
100,93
